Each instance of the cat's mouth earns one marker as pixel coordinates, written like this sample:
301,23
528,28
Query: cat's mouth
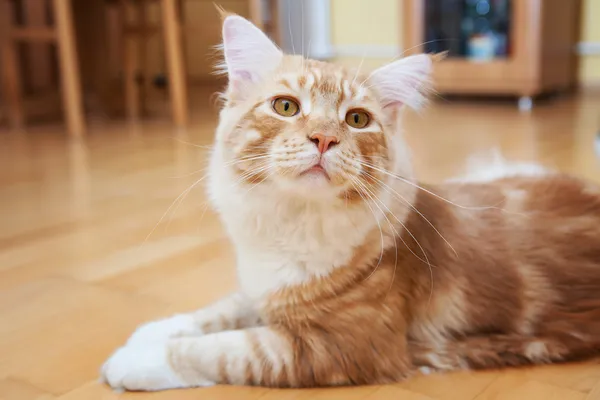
316,170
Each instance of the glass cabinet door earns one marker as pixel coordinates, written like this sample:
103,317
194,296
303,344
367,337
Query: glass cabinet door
477,30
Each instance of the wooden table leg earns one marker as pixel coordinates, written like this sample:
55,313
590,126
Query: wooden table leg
256,14
11,75
275,27
175,62
71,85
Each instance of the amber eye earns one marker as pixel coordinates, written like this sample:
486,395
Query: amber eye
285,107
357,118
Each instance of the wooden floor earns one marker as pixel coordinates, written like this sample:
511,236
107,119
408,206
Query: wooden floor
92,244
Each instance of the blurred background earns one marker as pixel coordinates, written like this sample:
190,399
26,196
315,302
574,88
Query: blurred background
112,58
107,114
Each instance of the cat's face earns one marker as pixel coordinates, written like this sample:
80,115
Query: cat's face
307,127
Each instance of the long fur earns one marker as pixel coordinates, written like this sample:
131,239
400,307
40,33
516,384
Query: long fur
353,272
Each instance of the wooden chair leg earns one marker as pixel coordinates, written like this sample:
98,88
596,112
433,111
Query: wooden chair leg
39,55
175,62
11,76
131,66
71,85
91,28
143,42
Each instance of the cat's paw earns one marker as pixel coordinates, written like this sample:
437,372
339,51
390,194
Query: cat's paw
141,368
162,330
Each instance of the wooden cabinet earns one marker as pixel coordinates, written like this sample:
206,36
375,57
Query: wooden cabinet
541,39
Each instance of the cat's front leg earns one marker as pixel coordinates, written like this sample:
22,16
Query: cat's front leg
263,356
232,312
257,356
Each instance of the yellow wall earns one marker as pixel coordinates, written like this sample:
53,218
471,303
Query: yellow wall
590,65
376,24
379,22
365,22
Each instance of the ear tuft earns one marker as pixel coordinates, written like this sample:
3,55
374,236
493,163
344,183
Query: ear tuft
249,54
438,57
223,13
403,82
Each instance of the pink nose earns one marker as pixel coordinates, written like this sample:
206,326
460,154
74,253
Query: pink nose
323,142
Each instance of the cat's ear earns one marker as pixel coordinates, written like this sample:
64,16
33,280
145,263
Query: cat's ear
403,82
249,54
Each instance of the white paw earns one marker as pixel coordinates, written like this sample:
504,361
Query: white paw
164,329
141,368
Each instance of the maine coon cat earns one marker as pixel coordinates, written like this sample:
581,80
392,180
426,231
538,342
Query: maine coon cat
350,271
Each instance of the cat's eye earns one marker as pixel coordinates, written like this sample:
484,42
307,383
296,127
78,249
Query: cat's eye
285,106
357,118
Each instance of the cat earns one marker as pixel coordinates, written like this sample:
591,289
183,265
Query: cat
350,271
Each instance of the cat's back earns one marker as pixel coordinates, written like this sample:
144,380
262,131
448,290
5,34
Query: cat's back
551,221
538,201
525,250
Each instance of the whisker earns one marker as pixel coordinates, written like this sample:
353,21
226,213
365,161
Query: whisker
177,200
189,174
248,159
255,171
413,207
246,174
354,181
396,234
406,51
358,69
262,180
302,32
290,28
207,147
383,171
429,41
426,261
206,175
227,164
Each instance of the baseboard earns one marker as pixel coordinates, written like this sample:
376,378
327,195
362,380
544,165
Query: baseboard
591,86
391,51
367,51
588,48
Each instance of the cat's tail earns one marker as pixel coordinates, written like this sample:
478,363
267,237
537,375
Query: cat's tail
497,351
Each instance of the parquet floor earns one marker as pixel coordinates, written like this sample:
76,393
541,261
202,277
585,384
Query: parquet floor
92,244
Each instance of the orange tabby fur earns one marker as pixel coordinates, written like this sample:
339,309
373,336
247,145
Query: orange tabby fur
522,288
485,274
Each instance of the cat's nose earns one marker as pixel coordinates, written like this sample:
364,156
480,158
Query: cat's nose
323,142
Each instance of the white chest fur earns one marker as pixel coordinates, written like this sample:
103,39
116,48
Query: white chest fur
282,241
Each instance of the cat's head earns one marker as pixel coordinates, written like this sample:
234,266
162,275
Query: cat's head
310,128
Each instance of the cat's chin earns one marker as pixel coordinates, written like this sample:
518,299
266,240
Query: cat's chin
312,184
314,179
315,173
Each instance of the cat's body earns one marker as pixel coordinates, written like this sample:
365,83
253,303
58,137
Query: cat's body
523,286
518,283
352,273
